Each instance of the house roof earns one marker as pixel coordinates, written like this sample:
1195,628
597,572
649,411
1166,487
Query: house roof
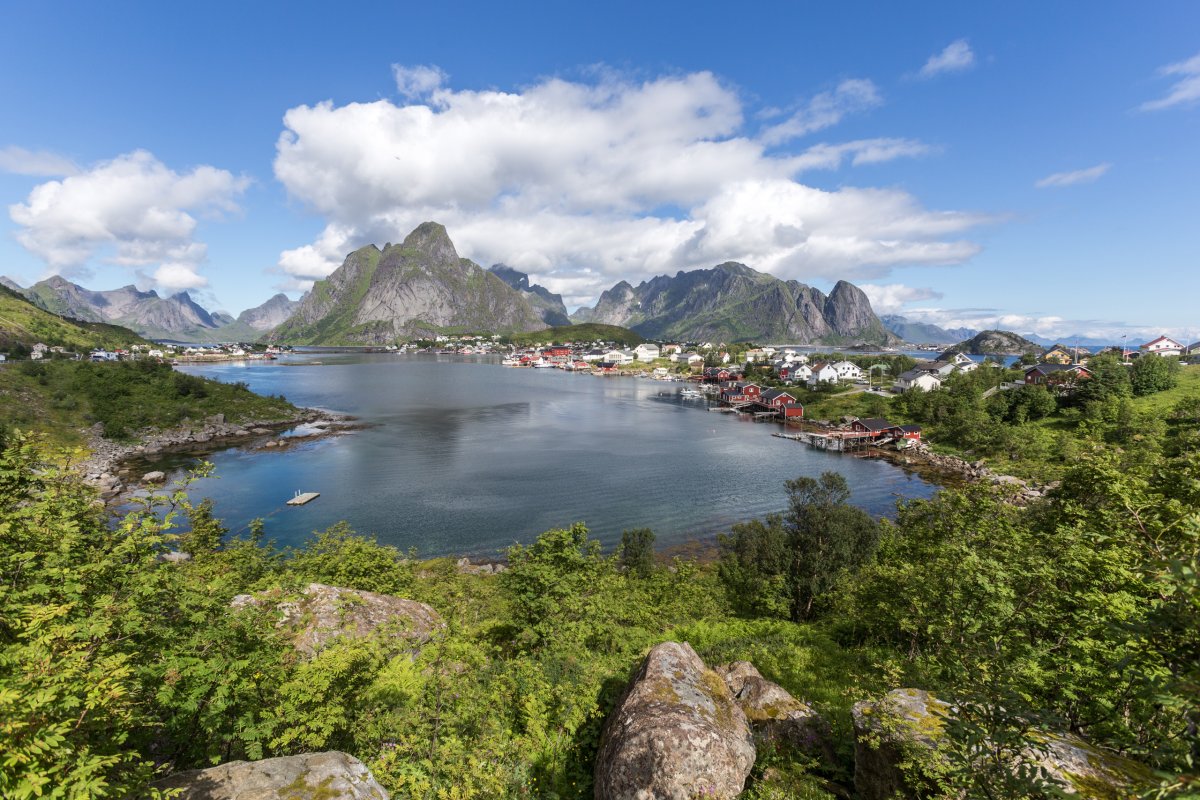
1166,339
875,424
911,428
771,394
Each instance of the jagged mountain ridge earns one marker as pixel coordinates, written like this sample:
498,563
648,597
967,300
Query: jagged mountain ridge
176,317
418,288
550,305
732,302
924,332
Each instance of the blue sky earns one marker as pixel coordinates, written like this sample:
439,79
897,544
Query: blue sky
1030,166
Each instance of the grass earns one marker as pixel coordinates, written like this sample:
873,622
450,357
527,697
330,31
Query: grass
23,323
1161,403
63,399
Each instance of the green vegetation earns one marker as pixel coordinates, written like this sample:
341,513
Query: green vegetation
62,398
23,324
1079,612
584,332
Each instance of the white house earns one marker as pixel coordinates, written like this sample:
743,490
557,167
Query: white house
1163,346
822,373
646,352
618,356
922,379
847,371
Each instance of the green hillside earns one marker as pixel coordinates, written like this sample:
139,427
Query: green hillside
23,324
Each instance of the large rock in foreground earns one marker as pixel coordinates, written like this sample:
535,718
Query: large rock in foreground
677,734
774,715
886,732
325,613
315,776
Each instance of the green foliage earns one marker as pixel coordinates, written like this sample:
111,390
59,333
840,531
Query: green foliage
127,396
583,332
553,583
1149,375
206,530
636,553
339,557
789,563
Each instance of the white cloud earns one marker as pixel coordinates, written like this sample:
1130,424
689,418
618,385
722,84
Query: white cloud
824,110
860,152
42,163
955,58
1186,90
591,183
417,81
1060,179
891,298
1049,326
131,211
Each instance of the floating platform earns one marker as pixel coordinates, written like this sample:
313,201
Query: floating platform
301,499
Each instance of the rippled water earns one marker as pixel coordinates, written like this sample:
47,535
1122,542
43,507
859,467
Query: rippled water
466,456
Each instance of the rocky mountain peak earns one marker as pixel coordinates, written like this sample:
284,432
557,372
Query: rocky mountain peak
433,242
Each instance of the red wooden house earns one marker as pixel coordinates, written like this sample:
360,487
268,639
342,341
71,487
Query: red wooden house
784,403
740,392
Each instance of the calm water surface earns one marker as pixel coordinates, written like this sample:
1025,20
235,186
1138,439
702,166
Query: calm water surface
466,456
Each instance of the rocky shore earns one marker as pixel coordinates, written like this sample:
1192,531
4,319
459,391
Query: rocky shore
107,468
919,455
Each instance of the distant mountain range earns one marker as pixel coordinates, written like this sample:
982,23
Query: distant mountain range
421,287
732,302
924,332
150,315
23,324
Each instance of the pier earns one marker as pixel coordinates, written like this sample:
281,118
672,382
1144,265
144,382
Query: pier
302,498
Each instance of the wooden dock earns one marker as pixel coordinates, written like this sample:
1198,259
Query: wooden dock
840,441
301,499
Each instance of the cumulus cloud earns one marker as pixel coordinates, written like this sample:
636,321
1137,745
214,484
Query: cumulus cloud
583,184
891,298
417,81
132,211
955,58
1186,89
824,110
1060,179
42,163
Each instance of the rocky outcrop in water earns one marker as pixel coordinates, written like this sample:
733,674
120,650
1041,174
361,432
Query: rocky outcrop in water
677,734
321,614
313,776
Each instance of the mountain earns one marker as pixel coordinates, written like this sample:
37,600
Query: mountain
9,283
1079,340
174,317
22,323
732,302
269,314
996,343
924,332
549,305
418,288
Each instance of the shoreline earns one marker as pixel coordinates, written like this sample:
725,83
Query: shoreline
108,467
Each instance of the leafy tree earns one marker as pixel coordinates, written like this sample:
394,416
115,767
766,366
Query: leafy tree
339,557
754,566
826,538
206,530
636,553
553,583
1109,381
1150,374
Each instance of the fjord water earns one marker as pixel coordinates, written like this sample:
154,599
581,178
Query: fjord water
464,456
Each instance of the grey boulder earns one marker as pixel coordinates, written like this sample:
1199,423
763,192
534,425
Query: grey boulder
314,776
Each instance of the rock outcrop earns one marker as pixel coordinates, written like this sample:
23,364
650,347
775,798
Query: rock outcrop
911,720
324,613
732,302
545,302
677,734
775,716
417,288
314,776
